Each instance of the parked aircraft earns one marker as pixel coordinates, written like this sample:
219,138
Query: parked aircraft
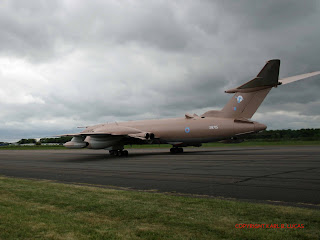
226,125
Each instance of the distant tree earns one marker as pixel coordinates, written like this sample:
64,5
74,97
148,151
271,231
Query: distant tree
27,141
301,134
55,140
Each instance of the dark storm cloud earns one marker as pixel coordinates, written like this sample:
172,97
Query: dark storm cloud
69,63
268,15
40,30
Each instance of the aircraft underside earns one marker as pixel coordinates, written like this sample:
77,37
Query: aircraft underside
115,145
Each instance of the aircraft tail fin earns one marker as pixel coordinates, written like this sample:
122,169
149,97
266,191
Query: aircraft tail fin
249,96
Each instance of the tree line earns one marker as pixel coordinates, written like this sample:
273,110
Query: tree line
60,140
309,134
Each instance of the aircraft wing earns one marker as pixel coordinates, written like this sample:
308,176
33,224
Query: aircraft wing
126,132
298,77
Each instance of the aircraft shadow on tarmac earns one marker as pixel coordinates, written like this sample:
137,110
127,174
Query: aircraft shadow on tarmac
106,157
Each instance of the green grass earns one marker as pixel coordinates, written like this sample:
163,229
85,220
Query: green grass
36,147
32,209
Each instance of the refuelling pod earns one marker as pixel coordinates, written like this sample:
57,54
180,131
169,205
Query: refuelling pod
101,142
76,142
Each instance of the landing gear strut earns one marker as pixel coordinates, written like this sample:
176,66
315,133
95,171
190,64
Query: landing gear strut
119,152
176,150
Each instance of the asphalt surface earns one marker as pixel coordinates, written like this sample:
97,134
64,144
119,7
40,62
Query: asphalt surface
286,174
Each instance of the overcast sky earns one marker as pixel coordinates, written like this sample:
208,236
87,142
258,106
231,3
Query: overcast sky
74,63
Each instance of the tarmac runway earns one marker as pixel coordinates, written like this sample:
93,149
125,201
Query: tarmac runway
286,174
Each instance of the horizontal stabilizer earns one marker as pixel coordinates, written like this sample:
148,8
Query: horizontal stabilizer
298,77
267,77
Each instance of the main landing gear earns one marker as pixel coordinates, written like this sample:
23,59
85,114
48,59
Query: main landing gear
176,150
119,153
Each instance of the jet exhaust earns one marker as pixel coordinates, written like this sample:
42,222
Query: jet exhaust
149,136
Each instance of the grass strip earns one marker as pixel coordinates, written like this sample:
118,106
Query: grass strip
31,209
35,147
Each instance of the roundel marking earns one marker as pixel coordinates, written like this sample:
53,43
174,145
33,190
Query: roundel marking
187,129
239,99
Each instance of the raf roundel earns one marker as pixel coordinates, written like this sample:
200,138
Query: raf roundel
239,99
187,129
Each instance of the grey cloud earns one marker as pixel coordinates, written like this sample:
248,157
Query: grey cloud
115,60
41,30
27,29
268,15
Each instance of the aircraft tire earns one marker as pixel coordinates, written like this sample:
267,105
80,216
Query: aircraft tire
119,153
176,150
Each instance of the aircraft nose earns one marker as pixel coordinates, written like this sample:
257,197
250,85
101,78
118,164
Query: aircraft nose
259,127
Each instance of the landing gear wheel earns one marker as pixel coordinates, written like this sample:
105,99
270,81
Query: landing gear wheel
119,153
176,150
